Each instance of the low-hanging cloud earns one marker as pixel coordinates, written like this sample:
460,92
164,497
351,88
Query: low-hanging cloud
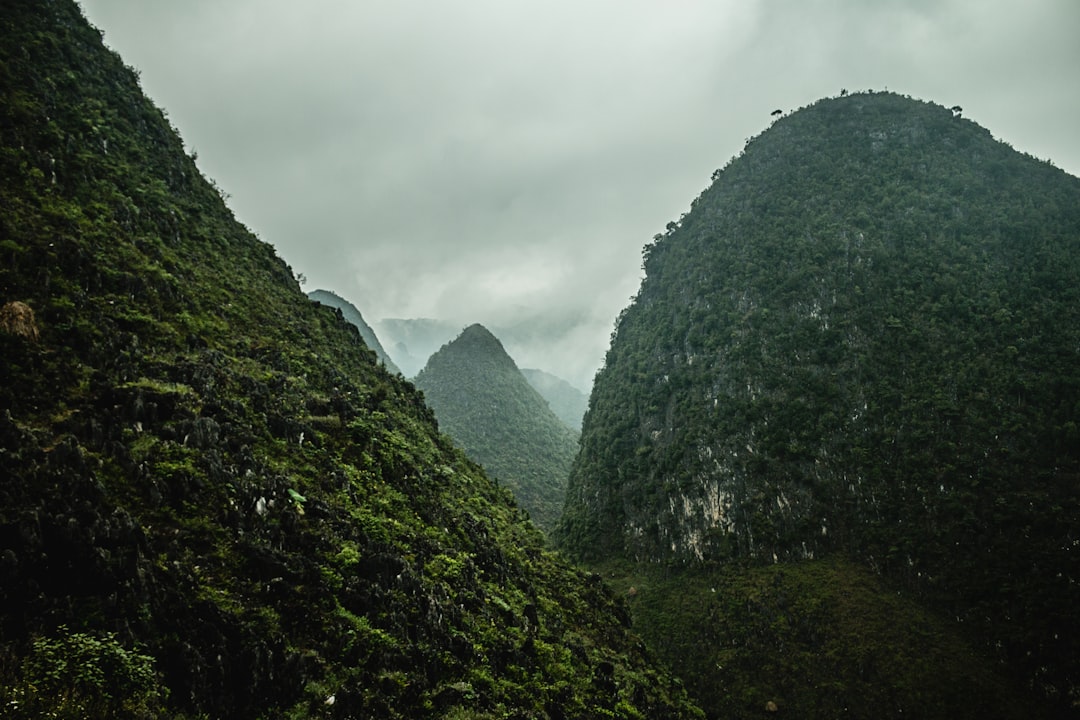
497,162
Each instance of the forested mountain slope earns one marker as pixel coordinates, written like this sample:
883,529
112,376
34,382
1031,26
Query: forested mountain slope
350,313
214,502
487,406
862,341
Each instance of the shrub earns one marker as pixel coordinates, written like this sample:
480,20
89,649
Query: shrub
75,675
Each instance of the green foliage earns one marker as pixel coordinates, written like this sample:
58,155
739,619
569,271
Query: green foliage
76,675
823,638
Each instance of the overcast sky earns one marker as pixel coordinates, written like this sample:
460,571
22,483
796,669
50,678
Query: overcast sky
498,161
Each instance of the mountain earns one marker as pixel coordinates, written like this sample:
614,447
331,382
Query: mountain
215,502
550,338
856,359
413,340
566,401
487,406
351,314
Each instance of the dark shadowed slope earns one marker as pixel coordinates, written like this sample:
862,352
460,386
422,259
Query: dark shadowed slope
214,502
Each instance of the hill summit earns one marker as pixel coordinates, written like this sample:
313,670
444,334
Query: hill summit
862,341
486,405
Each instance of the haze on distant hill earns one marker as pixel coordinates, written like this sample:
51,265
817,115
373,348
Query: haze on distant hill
566,401
411,341
487,406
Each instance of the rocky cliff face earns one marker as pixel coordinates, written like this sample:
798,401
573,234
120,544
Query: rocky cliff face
861,339
214,501
487,406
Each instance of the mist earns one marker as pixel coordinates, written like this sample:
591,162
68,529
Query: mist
504,163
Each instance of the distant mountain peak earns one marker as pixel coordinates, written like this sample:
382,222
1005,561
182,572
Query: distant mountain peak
475,344
483,401
479,337
411,341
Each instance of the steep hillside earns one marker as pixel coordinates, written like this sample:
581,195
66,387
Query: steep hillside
566,401
485,404
864,340
215,503
350,313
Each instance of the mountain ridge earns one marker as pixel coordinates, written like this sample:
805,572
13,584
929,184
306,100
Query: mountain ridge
414,340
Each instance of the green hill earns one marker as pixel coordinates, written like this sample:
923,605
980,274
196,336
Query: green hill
566,401
215,502
862,343
483,401
350,313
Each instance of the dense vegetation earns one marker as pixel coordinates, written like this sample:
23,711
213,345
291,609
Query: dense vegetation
823,638
215,502
487,406
352,315
862,341
566,401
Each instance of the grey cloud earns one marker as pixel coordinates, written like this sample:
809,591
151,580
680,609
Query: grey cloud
494,162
